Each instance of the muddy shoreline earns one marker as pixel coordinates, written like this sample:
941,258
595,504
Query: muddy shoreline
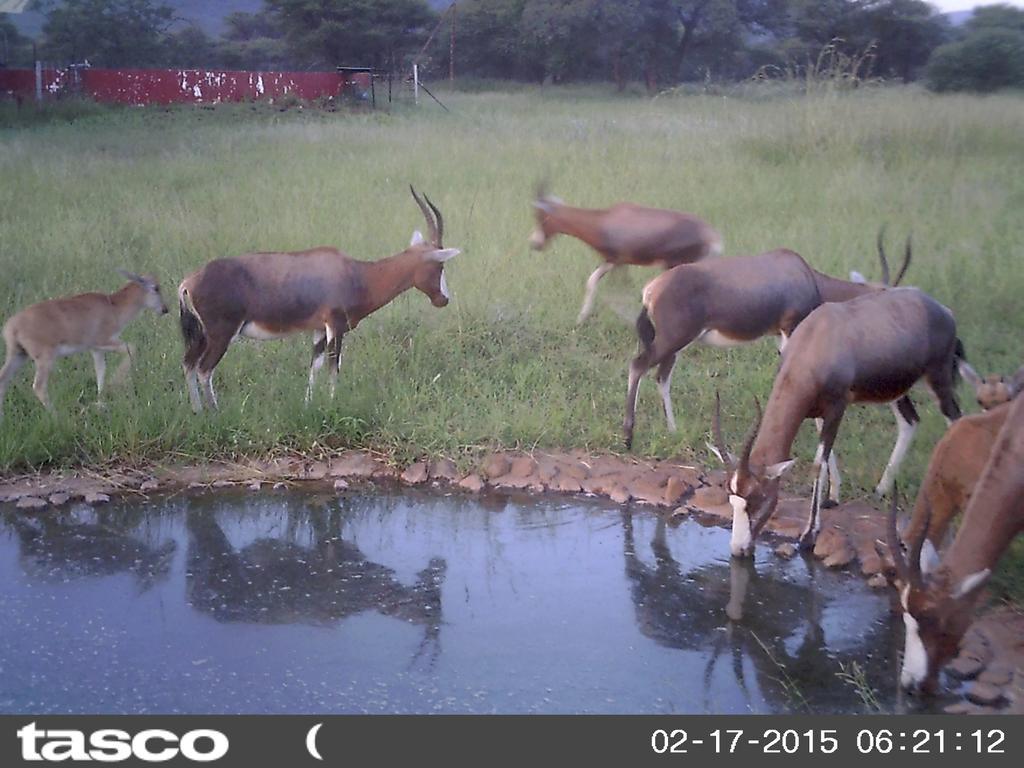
991,660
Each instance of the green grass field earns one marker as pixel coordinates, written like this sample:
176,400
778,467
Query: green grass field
167,190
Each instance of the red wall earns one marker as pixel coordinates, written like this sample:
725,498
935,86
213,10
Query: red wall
167,86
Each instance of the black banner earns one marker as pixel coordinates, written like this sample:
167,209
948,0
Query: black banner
257,741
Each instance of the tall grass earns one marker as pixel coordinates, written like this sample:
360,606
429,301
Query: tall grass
167,190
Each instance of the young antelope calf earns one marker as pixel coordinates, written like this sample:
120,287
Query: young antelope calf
90,321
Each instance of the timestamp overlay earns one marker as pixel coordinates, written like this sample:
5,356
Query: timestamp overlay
869,740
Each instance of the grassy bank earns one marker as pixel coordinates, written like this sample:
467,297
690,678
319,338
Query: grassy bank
165,191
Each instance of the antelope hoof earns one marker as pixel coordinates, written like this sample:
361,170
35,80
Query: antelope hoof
829,504
806,543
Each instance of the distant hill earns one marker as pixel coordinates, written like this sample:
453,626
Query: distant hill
209,16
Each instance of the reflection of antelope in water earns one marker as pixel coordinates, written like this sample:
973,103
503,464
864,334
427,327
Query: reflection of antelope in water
55,549
273,581
686,609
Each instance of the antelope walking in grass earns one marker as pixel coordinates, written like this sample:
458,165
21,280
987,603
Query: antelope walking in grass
625,234
957,462
272,295
90,322
938,606
871,349
729,302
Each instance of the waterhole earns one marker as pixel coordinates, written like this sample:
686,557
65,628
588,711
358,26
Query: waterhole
398,602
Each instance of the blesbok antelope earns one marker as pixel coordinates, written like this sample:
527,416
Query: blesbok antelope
957,462
267,296
871,349
730,302
625,234
937,607
87,322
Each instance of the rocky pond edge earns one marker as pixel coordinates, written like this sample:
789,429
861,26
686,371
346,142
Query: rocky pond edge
991,661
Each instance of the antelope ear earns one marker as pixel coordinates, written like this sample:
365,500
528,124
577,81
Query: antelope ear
443,255
969,374
971,583
131,276
857,277
929,558
716,452
777,470
417,238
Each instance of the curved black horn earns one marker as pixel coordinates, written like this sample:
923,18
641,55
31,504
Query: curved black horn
438,218
906,260
749,443
881,254
431,224
716,430
895,548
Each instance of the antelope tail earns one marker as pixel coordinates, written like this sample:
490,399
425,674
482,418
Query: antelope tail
645,331
192,329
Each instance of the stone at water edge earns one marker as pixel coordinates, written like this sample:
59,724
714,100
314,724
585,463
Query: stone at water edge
878,581
444,469
619,495
996,674
966,666
149,485
340,485
59,499
278,486
222,483
786,550
30,502
472,483
675,490
841,557
495,466
709,496
255,485
415,473
94,497
985,694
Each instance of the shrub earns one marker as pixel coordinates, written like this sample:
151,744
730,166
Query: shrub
986,60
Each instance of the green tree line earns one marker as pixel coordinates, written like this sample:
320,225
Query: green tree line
658,43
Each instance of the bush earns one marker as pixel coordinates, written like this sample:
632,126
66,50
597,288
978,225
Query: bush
986,60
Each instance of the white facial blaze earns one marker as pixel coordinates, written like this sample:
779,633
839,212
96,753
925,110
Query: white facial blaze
740,541
444,286
915,657
929,557
537,239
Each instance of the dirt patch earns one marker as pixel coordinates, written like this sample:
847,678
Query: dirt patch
992,656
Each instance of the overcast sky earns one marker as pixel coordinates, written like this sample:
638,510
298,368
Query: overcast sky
963,5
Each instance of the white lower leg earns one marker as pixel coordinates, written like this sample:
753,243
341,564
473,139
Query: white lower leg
904,437
314,369
666,399
813,526
99,363
192,382
588,297
834,479
206,381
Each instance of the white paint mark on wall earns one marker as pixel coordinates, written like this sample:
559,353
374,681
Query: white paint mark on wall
259,84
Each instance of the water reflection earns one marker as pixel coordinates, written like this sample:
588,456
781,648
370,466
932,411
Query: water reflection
278,581
298,602
769,623
60,547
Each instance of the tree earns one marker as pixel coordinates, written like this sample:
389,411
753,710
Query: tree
986,60
903,32
326,33
15,50
253,41
109,33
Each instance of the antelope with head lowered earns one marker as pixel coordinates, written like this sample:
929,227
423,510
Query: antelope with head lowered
272,295
937,607
87,322
871,349
625,234
729,302
957,462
